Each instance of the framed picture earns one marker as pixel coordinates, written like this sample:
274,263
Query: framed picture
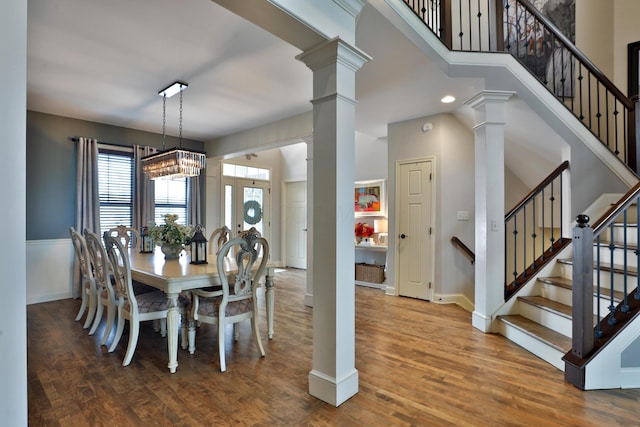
370,198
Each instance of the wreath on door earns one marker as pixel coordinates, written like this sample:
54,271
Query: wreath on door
252,212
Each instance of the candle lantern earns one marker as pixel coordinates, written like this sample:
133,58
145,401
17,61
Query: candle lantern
198,247
146,245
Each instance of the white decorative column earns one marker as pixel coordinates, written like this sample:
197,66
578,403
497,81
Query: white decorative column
489,185
333,377
308,295
13,129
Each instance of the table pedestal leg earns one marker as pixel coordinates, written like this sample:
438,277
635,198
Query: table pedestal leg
172,330
268,282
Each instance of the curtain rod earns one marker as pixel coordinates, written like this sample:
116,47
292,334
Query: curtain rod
77,138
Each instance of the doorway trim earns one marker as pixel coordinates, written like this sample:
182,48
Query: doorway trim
396,222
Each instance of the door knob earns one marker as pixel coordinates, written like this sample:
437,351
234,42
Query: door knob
402,236
304,229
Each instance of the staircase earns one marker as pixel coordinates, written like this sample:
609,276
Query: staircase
540,320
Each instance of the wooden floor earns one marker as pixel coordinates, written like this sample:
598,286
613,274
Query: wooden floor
420,364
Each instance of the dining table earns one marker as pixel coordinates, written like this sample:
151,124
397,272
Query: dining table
178,275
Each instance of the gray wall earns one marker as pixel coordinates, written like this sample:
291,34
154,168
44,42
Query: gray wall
51,167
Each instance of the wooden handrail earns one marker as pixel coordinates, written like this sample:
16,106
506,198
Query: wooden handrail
464,249
615,210
553,175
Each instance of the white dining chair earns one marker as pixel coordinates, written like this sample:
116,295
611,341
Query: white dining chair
129,237
88,283
236,300
219,237
107,296
132,307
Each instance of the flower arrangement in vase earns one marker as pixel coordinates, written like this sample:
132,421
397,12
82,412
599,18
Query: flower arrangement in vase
171,236
363,232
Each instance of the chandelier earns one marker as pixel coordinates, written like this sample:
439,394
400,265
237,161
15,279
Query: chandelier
176,162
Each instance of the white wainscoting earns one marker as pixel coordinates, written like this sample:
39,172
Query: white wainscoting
49,270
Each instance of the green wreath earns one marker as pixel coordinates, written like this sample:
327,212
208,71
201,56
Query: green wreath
252,206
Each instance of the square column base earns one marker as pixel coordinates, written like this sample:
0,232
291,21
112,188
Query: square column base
331,390
481,321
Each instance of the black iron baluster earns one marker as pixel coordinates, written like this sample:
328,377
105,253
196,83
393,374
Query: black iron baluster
606,121
598,115
543,215
612,307
533,231
625,304
615,128
515,247
524,241
580,77
552,199
469,20
598,333
561,208
479,28
589,98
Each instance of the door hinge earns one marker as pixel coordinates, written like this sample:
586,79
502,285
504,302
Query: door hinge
269,190
429,285
430,230
430,176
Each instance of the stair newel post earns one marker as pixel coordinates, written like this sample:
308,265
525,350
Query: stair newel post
582,277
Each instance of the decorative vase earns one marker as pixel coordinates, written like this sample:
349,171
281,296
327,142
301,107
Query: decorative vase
171,251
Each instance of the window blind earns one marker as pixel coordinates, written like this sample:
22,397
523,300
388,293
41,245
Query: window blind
115,188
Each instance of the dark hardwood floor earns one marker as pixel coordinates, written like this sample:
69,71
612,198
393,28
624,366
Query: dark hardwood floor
420,364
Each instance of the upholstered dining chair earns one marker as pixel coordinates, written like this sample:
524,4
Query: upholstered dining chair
236,301
131,307
129,237
88,283
107,296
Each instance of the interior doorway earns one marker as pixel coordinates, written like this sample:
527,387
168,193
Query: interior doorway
415,229
296,224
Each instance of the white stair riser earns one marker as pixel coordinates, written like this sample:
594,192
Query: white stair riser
618,256
605,278
540,349
545,318
618,235
564,296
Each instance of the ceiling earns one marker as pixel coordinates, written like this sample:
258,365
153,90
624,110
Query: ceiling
106,61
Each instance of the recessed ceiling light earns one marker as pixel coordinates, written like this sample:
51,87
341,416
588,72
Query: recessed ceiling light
448,99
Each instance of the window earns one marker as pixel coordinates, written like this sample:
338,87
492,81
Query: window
115,188
248,172
171,198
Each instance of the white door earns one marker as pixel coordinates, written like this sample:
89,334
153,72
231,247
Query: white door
415,232
246,205
296,224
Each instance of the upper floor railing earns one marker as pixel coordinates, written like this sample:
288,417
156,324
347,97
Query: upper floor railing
517,27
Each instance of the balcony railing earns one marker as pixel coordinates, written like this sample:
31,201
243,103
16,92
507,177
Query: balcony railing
517,27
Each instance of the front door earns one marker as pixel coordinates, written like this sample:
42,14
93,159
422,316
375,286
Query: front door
246,205
415,232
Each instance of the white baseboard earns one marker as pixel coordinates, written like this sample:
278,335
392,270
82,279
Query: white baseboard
49,270
458,299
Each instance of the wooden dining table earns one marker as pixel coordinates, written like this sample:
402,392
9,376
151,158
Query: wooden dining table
175,276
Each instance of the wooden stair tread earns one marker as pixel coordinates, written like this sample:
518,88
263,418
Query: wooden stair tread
565,283
541,333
